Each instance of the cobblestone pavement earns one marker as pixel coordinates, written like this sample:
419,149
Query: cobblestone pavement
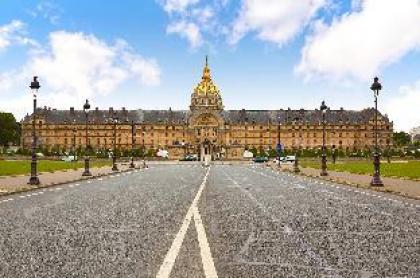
225,221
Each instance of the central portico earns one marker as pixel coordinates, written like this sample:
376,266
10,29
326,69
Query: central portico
206,120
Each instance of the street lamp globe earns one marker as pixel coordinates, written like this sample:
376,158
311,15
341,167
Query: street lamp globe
86,107
376,86
323,107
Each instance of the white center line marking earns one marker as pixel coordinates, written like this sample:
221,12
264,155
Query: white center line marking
206,258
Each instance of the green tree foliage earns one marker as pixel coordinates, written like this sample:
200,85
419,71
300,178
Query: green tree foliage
401,138
9,129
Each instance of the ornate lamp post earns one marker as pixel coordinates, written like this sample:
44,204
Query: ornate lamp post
86,108
34,180
114,156
133,142
278,147
74,140
143,149
324,151
376,179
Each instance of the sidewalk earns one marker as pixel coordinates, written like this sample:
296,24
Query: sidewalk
10,185
407,188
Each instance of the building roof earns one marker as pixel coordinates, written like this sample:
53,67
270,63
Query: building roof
230,116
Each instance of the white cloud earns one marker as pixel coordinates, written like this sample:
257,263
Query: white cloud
358,44
177,5
11,33
273,20
191,19
403,108
76,66
47,10
188,30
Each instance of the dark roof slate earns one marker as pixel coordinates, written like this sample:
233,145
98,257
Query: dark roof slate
230,116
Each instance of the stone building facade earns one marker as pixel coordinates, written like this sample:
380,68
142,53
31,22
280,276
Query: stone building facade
207,128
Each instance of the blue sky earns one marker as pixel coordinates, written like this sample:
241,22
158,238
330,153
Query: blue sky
264,54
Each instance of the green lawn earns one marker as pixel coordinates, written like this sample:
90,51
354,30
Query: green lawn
18,167
410,169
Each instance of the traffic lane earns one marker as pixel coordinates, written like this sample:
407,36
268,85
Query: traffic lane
356,229
348,204
235,222
120,226
263,222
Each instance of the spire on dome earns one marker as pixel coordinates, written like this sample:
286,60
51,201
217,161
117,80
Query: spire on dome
206,71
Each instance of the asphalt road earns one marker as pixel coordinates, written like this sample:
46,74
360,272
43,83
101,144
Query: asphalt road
222,221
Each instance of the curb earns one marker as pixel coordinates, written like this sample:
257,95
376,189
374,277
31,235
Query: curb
65,182
353,184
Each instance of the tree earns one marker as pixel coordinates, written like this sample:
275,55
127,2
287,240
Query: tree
401,139
9,129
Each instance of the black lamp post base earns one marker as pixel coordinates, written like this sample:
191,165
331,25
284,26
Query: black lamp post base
114,164
296,165
87,172
132,165
324,172
34,181
376,181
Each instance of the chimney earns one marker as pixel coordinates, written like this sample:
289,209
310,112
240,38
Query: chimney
111,110
71,111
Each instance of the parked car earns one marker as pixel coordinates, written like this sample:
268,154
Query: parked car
190,157
69,158
290,158
261,159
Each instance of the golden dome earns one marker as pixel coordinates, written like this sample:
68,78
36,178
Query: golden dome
206,87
